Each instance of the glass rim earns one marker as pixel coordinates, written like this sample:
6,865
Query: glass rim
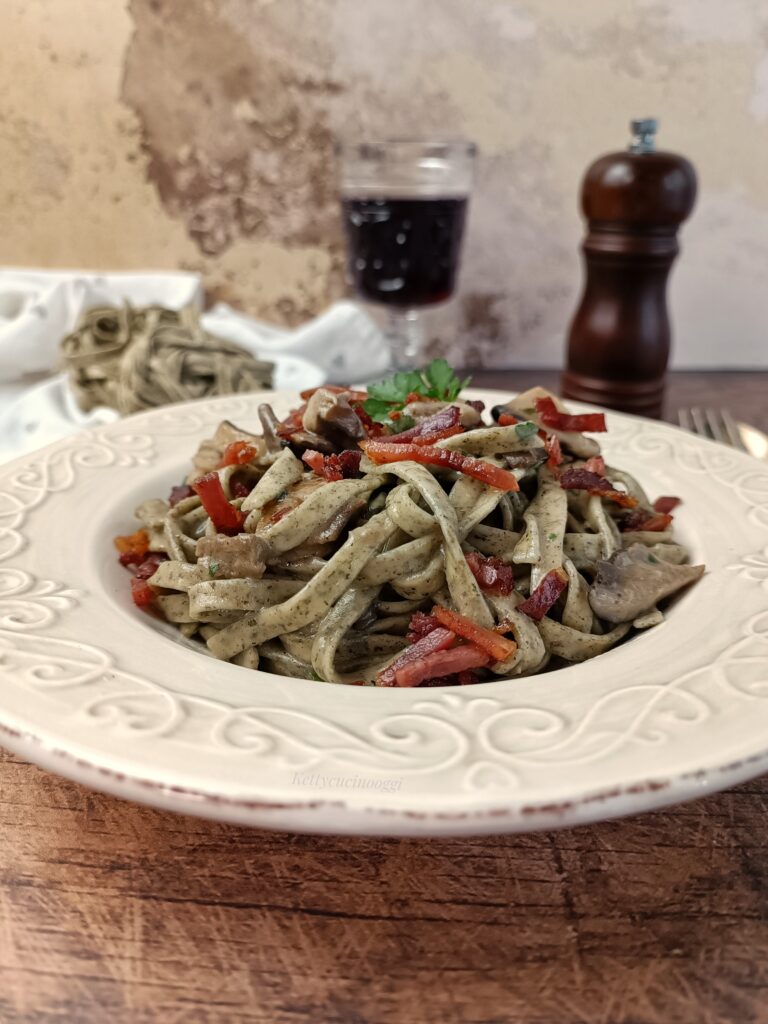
443,144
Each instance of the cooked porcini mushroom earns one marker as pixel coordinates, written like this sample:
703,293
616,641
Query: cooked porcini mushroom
634,581
332,416
470,416
270,425
332,528
230,558
526,459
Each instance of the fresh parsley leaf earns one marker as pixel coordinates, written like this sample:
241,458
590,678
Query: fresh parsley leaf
384,391
526,429
408,382
378,409
442,381
396,389
387,396
213,568
404,423
440,378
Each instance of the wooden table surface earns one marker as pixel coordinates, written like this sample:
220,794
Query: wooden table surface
111,912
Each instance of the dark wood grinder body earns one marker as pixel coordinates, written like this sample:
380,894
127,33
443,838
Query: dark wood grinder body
619,340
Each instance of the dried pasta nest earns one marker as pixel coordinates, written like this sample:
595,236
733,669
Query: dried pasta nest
133,359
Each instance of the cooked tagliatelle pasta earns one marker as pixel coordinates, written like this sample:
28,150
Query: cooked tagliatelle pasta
396,538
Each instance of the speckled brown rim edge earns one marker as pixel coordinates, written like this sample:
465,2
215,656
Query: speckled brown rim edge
339,817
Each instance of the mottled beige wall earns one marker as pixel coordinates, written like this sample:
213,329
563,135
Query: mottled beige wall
198,134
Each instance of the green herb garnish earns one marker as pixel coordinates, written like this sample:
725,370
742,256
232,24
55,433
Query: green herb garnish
213,568
282,496
436,381
526,429
397,388
404,423
552,536
443,382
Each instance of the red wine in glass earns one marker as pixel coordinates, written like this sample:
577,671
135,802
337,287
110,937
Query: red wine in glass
404,202
404,252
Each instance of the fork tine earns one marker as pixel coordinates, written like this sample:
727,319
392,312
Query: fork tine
716,426
700,425
732,430
684,419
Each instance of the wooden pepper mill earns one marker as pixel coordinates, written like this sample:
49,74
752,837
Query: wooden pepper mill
619,341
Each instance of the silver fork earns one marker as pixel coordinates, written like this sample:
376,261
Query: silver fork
716,424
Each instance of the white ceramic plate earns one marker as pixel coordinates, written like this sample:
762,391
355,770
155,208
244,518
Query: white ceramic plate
92,689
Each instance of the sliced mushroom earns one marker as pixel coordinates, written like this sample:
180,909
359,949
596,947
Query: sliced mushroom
270,424
634,581
533,458
240,557
331,416
470,416
332,528
304,440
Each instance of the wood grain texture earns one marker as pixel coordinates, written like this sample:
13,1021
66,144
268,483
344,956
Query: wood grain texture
112,912
745,394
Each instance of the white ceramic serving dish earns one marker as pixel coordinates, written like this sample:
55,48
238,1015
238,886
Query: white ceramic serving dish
90,687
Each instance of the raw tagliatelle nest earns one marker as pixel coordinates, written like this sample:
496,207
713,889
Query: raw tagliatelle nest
349,549
138,358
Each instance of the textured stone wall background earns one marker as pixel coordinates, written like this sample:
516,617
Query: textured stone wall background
198,134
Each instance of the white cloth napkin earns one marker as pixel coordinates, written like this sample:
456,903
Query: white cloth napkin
343,341
39,307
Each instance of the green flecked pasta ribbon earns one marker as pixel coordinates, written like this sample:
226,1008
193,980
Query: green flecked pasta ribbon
132,359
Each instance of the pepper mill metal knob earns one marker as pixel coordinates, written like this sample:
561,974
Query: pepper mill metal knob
643,134
619,340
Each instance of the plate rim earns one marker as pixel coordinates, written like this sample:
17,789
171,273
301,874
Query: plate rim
511,814
650,794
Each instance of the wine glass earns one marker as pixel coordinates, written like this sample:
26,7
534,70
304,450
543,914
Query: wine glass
404,203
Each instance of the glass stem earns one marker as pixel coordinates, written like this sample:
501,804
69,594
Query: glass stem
406,339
